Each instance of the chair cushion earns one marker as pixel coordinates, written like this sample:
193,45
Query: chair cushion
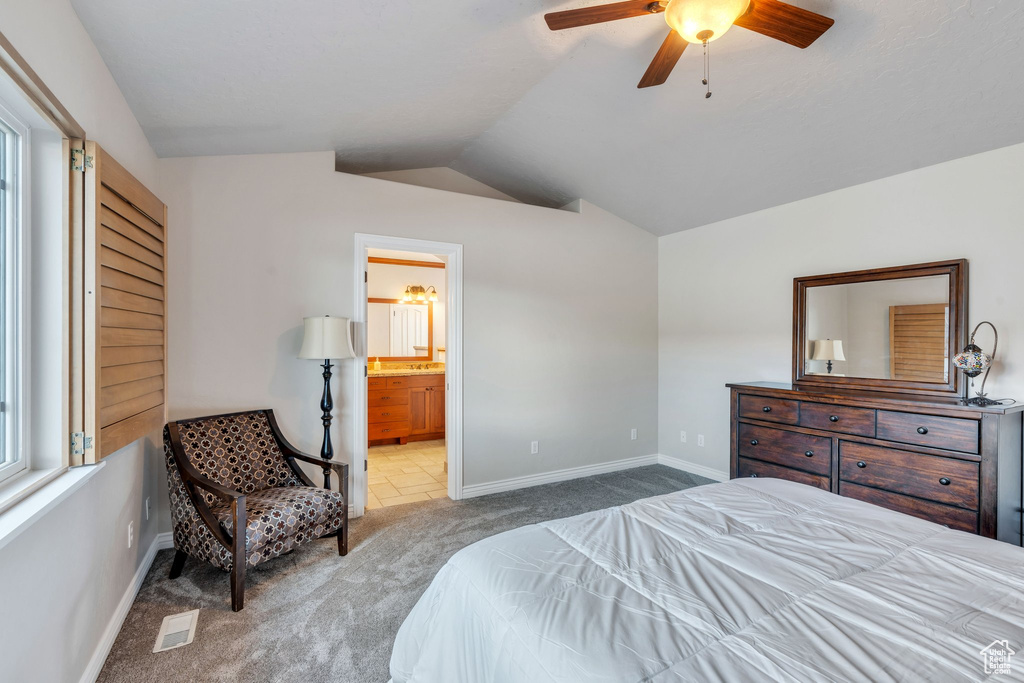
238,451
280,519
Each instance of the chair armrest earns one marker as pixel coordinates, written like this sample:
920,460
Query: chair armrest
191,476
335,464
217,489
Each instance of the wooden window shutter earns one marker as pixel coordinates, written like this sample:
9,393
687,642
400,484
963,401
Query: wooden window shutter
125,346
918,343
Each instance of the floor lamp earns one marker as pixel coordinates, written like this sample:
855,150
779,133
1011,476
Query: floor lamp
326,338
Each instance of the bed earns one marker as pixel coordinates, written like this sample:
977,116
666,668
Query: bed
749,580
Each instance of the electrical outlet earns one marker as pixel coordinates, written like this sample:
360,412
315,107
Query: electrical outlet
682,437
131,534
700,440
147,509
632,434
534,447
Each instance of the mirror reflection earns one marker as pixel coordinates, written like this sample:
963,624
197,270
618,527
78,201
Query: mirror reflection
398,329
885,329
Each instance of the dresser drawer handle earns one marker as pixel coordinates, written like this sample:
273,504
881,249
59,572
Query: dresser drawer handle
944,481
809,454
384,414
833,418
385,398
753,442
385,430
861,464
922,430
767,409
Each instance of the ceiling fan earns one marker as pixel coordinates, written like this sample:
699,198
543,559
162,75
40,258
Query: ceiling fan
700,22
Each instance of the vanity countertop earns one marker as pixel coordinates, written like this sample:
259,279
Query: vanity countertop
397,372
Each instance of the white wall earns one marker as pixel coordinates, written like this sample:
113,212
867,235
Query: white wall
726,290
65,575
567,358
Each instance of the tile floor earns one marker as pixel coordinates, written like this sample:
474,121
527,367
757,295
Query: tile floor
407,474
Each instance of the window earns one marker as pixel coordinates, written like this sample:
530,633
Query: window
13,218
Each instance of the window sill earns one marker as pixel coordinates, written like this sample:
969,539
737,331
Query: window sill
36,493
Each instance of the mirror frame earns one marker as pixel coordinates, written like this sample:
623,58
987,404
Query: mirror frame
957,272
429,358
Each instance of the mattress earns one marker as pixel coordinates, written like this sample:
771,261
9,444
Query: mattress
749,580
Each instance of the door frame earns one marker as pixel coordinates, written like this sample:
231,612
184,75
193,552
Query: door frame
453,357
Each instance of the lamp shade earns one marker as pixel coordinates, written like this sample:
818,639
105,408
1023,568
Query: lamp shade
326,337
972,361
828,349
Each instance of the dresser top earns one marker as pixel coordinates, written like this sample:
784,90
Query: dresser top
852,396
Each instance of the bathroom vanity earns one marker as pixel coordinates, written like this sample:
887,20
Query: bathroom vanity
406,404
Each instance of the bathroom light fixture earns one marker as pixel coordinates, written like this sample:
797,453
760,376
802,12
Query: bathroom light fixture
972,361
416,293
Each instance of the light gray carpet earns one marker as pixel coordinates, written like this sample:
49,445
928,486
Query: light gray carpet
313,616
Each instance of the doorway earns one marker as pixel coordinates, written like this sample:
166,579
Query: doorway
416,333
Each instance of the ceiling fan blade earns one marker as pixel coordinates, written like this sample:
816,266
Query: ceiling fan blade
601,13
784,22
663,63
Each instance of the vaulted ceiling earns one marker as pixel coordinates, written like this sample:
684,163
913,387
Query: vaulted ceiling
486,89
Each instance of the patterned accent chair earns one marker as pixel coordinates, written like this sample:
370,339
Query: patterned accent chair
236,471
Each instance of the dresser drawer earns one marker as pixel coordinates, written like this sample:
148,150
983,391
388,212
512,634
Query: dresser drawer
943,480
954,518
397,382
791,449
376,383
388,430
393,413
843,419
388,397
774,409
757,468
928,430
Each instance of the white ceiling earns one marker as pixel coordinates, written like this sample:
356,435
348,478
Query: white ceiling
548,117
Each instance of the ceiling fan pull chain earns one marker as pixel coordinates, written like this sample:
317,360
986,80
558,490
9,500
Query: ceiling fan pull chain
707,68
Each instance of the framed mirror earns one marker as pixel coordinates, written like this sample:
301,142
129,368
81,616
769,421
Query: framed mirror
888,329
397,330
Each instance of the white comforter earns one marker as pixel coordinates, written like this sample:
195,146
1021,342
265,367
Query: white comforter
750,580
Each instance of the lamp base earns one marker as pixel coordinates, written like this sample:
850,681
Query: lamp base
982,401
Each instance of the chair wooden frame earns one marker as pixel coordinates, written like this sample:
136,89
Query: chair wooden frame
236,543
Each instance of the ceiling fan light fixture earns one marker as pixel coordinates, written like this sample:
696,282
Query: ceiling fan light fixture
700,20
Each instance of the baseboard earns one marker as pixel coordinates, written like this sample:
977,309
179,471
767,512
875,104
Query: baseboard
692,468
475,490
92,671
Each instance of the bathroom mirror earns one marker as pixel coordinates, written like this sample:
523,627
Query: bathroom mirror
888,329
398,331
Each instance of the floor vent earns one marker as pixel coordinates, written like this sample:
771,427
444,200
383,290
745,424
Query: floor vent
177,630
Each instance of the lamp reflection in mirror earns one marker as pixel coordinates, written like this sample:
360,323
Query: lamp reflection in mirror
972,361
828,350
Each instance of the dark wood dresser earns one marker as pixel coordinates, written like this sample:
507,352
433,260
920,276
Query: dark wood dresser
931,457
